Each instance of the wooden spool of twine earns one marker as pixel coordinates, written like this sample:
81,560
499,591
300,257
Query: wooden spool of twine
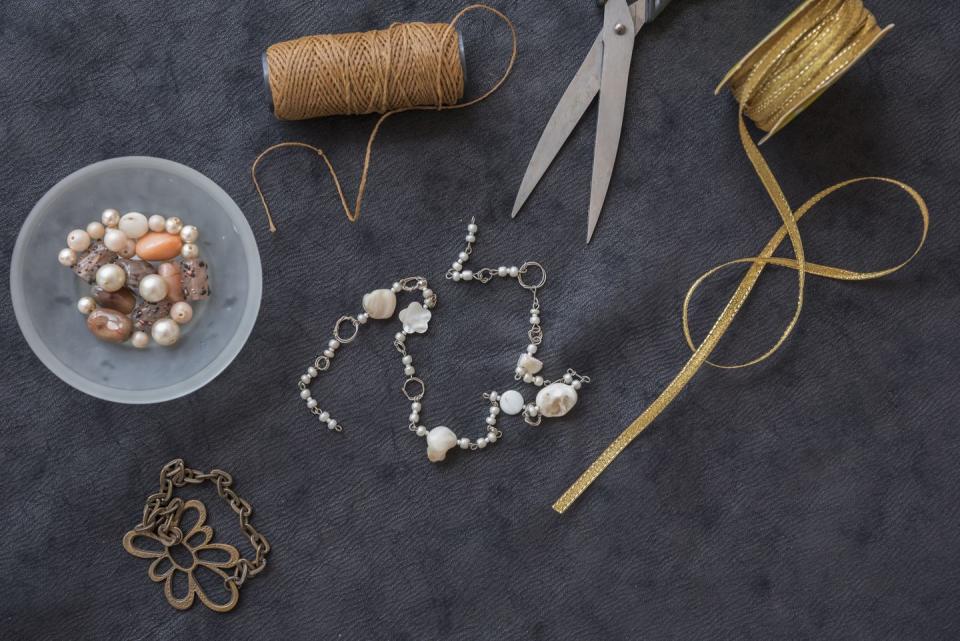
408,66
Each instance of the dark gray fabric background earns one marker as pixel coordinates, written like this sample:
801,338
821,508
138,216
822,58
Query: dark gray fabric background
812,497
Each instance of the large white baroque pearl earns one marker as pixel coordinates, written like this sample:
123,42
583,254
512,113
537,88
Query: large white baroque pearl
440,440
380,304
511,402
556,399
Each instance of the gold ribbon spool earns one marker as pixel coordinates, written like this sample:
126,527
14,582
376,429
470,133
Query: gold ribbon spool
780,77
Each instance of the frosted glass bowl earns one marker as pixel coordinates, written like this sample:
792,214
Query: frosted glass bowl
45,293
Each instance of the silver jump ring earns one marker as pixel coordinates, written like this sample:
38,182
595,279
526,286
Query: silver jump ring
341,321
406,392
322,363
523,270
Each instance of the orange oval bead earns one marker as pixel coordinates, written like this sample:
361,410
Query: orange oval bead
159,245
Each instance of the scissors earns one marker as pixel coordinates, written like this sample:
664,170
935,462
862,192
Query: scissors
605,71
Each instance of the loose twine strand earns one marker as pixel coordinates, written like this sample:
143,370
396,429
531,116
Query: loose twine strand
406,67
784,74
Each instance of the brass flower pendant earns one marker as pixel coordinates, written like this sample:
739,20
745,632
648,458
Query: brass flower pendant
187,563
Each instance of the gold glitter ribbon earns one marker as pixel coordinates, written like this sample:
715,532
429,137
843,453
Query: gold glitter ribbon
784,74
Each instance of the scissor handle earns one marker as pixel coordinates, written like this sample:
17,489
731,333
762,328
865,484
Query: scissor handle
654,7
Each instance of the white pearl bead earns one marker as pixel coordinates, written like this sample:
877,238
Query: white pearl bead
455,276
182,312
67,257
494,410
491,420
457,266
304,394
421,430
534,320
329,353
95,230
464,443
305,379
395,288
471,238
416,406
86,305
140,339
407,359
528,378
78,240
190,251
481,443
363,318
413,418
165,332
538,381
568,378
492,437
129,250
472,228
134,224
333,344
110,217
189,234
409,370
324,416
311,403
514,271
173,225
532,349
153,288
531,409
428,293
493,397
112,277
312,371
400,337
576,384
157,223
464,257
467,275
115,240
502,271
332,424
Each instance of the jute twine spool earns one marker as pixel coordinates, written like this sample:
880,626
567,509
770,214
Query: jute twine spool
408,66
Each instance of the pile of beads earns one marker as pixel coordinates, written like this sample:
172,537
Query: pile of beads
131,298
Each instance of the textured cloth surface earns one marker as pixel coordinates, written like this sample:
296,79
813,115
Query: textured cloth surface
811,497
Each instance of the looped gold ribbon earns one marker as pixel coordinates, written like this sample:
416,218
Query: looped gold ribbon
773,83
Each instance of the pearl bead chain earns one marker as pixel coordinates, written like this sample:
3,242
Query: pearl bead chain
555,399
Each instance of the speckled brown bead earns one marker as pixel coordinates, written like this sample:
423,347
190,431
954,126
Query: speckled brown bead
146,314
194,279
136,270
98,256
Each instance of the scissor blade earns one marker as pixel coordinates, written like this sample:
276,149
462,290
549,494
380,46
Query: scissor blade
568,112
618,34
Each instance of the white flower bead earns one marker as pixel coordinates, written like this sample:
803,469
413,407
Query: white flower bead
67,257
189,234
110,217
86,305
78,240
182,312
112,277
165,332
95,230
190,251
157,223
173,225
153,288
140,339
134,224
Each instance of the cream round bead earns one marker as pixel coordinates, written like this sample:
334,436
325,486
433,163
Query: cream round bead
157,223
115,240
305,394
416,406
332,424
111,277
464,443
140,339
409,370
472,228
96,230
421,430
67,257
305,379
312,371
492,437
190,251
182,313
173,225
110,218
165,332
407,360
189,233
311,403
134,224
513,271
78,240
86,305
481,443
323,416
491,420
129,250
153,288
470,238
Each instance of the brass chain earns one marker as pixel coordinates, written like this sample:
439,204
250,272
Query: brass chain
161,508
